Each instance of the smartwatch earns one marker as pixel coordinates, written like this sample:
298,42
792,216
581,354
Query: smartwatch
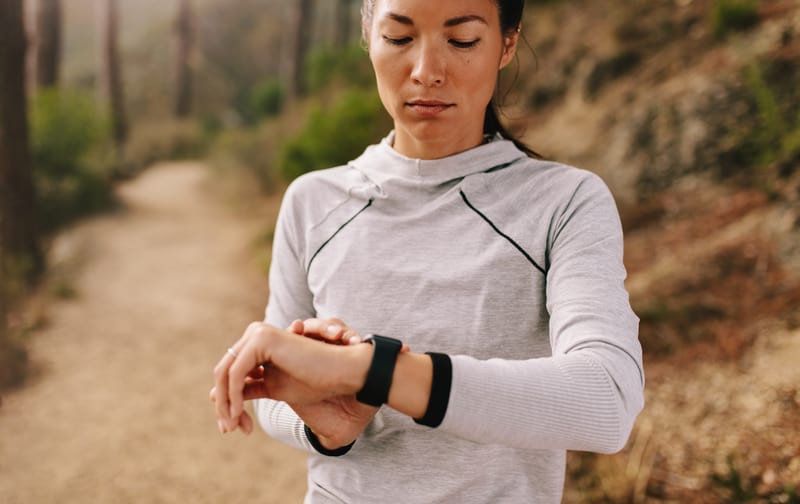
375,391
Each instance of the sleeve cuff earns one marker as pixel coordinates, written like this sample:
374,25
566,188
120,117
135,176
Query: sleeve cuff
314,440
440,390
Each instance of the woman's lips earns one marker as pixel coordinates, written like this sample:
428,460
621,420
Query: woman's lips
429,107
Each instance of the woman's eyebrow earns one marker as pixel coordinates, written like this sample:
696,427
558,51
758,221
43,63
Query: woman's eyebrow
464,19
449,23
400,18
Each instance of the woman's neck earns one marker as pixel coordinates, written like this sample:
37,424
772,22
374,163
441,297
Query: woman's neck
434,148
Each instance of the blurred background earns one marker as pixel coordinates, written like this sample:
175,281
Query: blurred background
144,148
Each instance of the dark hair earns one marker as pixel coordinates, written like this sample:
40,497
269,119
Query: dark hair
510,19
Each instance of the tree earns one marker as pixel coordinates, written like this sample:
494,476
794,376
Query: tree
110,79
184,38
20,253
344,22
47,33
302,41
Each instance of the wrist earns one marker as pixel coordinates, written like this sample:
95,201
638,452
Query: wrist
359,360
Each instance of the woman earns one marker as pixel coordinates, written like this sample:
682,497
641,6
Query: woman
449,237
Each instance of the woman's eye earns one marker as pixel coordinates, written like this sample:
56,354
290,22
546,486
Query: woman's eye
464,44
397,41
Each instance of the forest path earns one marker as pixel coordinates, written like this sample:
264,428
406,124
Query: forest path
118,410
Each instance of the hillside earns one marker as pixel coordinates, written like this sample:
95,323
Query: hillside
695,129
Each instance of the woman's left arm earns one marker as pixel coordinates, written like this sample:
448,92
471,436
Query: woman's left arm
586,396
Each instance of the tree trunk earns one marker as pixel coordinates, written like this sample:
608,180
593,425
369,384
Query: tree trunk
302,30
344,22
47,35
184,38
109,72
20,253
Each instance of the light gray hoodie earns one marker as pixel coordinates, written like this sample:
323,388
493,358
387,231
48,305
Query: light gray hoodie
511,266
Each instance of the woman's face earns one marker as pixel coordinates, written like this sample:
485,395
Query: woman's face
436,63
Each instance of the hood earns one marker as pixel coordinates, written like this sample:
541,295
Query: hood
383,165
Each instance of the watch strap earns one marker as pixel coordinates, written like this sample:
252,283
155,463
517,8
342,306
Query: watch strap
375,391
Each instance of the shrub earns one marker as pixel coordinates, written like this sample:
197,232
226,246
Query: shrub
267,99
328,66
334,136
71,152
771,129
733,15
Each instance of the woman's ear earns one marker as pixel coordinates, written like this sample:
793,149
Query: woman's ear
509,47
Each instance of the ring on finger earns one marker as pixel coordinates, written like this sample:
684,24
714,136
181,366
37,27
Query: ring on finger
230,351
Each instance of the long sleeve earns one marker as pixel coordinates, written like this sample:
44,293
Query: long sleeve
587,394
289,299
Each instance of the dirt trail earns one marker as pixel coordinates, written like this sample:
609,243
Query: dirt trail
118,411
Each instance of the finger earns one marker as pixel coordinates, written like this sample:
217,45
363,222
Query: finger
256,389
256,374
351,337
256,350
221,372
330,330
220,393
296,327
246,423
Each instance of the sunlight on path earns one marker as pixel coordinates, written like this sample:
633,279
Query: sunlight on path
119,411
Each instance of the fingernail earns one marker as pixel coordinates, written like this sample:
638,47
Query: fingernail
334,329
220,426
355,340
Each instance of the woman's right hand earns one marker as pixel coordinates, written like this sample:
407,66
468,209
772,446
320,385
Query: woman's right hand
337,421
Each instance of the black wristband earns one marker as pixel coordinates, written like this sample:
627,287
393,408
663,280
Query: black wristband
375,391
314,440
440,390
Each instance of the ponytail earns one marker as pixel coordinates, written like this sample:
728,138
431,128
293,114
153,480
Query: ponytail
493,126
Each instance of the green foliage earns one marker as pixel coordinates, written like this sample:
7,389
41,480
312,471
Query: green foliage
738,489
772,128
773,137
733,15
70,145
267,99
350,67
65,127
334,136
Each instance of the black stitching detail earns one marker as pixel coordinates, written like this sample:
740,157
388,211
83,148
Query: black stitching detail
497,230
335,233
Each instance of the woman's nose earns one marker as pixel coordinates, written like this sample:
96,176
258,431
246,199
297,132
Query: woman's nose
429,67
